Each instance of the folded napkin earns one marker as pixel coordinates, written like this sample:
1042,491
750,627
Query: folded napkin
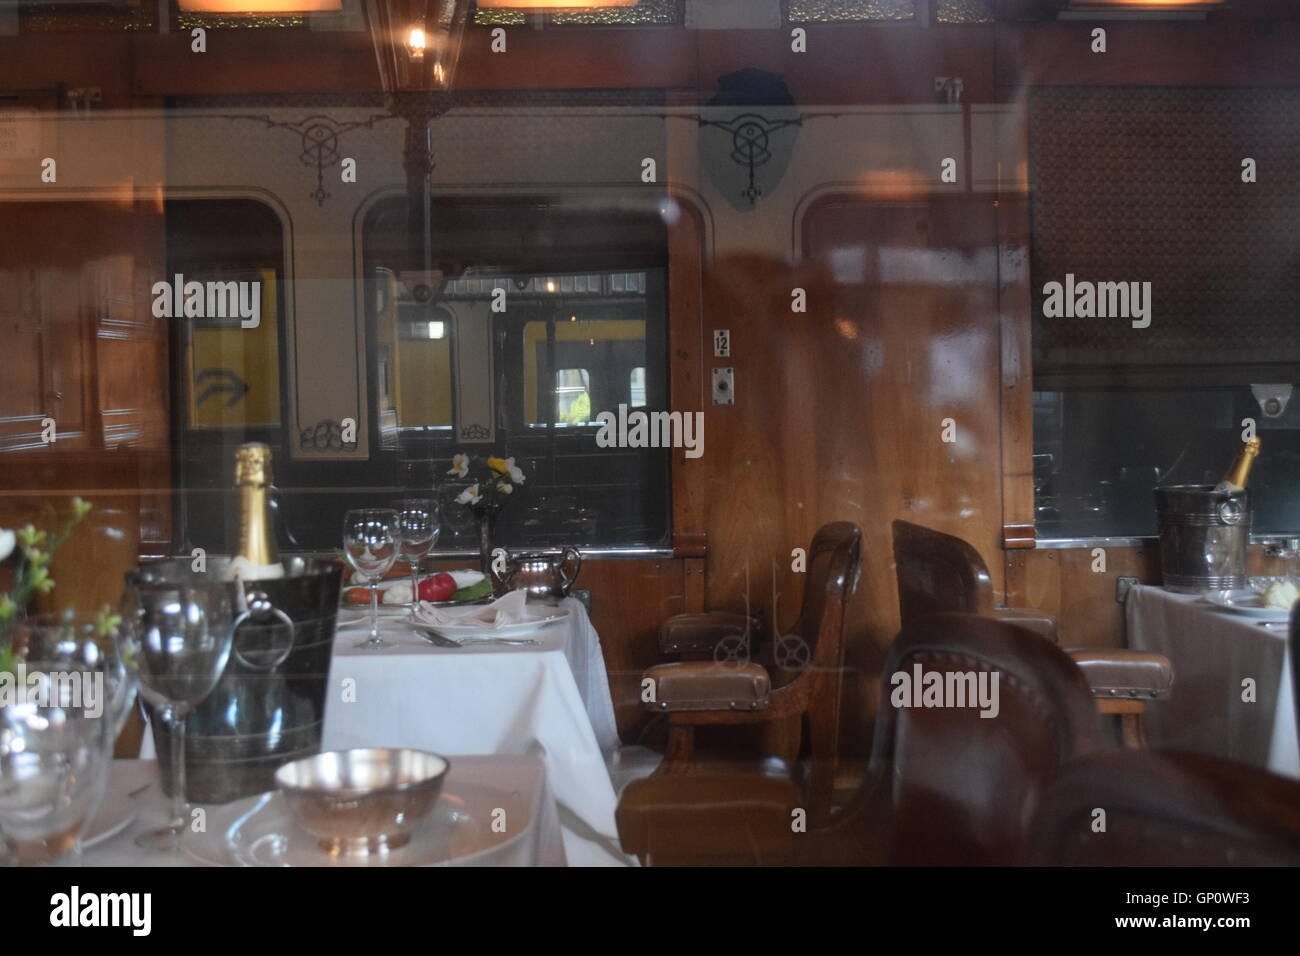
510,609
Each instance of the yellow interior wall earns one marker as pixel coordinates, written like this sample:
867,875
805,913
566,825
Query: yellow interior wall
424,386
535,332
251,354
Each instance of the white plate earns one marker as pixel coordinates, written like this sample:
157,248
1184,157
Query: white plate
260,831
1246,601
537,618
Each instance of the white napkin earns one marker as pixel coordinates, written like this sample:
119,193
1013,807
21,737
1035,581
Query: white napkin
510,609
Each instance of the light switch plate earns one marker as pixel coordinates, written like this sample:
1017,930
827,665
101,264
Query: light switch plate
724,388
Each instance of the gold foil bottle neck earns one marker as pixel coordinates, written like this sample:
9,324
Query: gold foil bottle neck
253,465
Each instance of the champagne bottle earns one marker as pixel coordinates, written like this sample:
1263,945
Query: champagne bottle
255,556
1235,479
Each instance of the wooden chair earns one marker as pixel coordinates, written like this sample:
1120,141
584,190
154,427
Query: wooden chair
1166,810
942,573
963,787
803,680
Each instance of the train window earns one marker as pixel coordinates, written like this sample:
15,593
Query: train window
534,315
573,396
636,388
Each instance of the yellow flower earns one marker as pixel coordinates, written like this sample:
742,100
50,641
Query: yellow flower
499,466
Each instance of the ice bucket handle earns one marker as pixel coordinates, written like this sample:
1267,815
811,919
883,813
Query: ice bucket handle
259,605
1231,512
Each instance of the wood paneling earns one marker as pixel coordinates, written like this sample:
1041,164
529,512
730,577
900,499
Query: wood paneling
1062,582
96,362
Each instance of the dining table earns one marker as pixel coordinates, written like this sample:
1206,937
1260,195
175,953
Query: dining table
1232,695
549,699
493,810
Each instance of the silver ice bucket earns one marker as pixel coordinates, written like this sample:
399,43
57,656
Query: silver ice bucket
1203,537
269,706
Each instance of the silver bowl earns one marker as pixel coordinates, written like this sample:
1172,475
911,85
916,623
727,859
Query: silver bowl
362,802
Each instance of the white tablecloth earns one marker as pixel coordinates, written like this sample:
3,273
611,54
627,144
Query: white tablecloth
1212,652
134,793
552,701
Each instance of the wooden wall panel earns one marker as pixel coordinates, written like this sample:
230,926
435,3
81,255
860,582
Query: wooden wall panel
1062,582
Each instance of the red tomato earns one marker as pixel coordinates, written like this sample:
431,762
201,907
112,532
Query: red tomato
440,587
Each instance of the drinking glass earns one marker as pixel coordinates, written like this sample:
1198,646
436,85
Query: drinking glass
418,526
70,643
176,639
54,757
370,544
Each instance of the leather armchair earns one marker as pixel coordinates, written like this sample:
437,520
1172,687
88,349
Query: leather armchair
940,573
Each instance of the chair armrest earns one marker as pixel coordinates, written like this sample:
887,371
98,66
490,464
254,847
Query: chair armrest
703,632
1031,619
1123,673
709,686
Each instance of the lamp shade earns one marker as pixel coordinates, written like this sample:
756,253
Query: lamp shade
555,4
417,42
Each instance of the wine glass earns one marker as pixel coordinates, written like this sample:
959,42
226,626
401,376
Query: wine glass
54,757
72,642
176,639
370,543
418,525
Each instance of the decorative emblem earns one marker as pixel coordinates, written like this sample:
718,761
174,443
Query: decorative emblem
325,435
732,650
751,144
475,433
319,137
792,653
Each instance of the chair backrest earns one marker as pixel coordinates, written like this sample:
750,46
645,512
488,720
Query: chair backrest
1166,810
834,561
938,573
963,786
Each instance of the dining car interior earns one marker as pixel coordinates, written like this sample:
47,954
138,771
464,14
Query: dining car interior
692,434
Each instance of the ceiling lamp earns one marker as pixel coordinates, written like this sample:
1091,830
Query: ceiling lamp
553,5
261,8
1152,9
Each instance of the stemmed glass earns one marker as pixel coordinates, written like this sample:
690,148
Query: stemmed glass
418,525
176,639
370,544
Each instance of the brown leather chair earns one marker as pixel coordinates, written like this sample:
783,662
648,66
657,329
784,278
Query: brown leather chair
1166,810
802,680
963,787
939,572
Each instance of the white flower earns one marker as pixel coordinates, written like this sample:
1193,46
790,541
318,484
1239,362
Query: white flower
469,496
506,489
7,541
459,467
516,473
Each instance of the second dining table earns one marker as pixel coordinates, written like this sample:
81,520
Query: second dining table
551,700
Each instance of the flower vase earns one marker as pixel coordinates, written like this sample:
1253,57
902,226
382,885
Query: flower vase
487,520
